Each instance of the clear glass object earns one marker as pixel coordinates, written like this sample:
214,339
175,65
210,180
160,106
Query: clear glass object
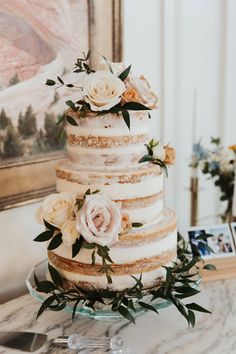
100,313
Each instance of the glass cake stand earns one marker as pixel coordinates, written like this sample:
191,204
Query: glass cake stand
101,313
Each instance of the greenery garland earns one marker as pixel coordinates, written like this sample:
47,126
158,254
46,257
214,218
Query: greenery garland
181,283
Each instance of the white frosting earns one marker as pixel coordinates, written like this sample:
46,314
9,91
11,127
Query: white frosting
146,214
124,254
87,158
119,282
116,191
110,125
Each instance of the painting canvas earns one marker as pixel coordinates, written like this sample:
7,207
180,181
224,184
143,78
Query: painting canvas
40,40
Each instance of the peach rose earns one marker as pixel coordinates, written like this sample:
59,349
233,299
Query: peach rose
130,95
56,209
170,155
99,220
144,93
125,223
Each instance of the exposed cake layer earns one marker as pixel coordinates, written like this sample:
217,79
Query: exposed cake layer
143,188
143,251
104,141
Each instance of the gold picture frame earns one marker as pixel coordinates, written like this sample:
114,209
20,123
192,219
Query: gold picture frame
28,180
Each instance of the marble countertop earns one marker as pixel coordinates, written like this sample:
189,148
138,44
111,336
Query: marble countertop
166,333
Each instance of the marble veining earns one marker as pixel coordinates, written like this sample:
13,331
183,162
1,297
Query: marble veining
167,333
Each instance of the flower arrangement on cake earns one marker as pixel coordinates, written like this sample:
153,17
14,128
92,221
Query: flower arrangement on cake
218,163
111,242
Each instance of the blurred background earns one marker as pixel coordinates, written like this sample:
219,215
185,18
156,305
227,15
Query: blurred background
185,48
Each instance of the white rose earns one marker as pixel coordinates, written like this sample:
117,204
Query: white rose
159,152
56,209
144,92
69,232
99,220
102,90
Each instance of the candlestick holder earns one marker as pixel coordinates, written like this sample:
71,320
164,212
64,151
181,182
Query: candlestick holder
194,198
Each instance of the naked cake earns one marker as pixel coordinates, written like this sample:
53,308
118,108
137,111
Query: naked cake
107,225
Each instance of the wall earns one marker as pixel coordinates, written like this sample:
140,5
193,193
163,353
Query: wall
18,251
183,45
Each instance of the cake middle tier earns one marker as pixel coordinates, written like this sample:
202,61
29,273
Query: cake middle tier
140,191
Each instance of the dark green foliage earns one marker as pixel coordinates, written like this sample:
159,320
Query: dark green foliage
5,121
180,284
12,144
27,126
52,138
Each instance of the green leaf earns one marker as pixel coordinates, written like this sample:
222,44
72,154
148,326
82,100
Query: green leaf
210,267
125,313
191,318
71,120
77,246
137,224
55,242
89,246
146,158
40,311
70,85
108,64
56,278
196,307
135,106
60,80
44,236
50,82
45,286
70,104
126,118
187,290
60,120
147,306
49,226
93,258
124,73
74,308
149,115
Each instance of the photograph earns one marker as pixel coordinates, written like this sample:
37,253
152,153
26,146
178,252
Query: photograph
219,245
198,245
221,242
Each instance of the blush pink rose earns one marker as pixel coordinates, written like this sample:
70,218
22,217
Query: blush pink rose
99,220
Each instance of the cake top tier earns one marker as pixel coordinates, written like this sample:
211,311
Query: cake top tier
111,89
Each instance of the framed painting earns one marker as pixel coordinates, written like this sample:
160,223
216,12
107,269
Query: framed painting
39,40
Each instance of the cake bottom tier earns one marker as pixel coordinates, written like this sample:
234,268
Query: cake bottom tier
144,251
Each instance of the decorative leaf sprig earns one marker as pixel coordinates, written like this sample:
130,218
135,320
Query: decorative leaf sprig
52,233
181,283
103,252
151,157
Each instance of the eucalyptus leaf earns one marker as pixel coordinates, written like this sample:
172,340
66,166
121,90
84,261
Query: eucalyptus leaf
135,106
56,278
147,306
125,73
146,158
60,80
50,82
70,104
196,307
77,246
126,313
209,267
44,236
126,117
71,120
55,242
137,224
